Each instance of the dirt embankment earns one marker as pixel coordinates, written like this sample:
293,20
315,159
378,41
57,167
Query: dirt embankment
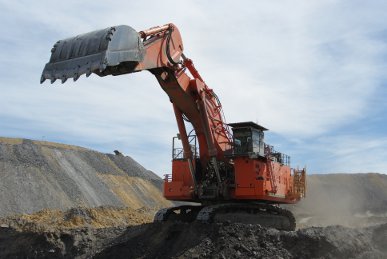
77,218
39,175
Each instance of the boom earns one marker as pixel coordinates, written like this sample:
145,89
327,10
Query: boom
160,51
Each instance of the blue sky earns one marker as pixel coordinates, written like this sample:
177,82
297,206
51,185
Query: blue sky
313,72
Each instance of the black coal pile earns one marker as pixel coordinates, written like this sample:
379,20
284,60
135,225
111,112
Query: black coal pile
75,243
196,240
250,241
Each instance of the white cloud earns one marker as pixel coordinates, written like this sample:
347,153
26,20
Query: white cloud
301,68
354,153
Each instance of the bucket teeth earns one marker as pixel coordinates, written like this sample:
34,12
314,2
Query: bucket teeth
75,77
64,79
42,79
95,52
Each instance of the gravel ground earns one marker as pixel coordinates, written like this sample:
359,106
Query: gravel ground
179,240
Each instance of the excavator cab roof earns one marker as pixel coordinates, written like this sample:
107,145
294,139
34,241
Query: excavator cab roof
247,124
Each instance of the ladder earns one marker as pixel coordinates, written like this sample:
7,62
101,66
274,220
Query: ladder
273,182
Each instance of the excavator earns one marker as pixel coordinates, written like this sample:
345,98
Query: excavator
220,172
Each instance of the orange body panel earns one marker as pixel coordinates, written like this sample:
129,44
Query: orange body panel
180,187
253,180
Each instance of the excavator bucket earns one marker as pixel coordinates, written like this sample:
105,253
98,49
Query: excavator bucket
115,50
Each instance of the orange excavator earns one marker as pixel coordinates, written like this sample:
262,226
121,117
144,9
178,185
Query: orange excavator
225,171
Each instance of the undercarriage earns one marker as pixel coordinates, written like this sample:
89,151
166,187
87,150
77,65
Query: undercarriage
265,215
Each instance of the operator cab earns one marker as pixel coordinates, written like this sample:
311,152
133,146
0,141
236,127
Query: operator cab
248,138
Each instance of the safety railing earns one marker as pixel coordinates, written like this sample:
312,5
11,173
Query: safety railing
299,183
277,156
178,152
168,178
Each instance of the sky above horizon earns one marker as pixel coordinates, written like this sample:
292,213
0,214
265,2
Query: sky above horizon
313,72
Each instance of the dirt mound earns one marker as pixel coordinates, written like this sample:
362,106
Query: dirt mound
101,217
179,240
36,175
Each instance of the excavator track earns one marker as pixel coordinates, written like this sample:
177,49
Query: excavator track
185,213
263,214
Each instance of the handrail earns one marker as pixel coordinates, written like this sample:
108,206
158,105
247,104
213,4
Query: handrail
167,178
